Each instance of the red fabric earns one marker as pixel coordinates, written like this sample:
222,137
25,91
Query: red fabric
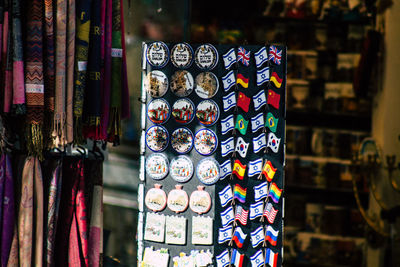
243,102
273,99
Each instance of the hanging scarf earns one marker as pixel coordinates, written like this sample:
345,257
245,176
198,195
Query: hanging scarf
17,61
49,72
125,108
92,107
38,205
7,58
70,71
34,77
2,14
13,260
60,89
78,246
95,243
114,127
82,44
106,89
54,196
25,216
8,210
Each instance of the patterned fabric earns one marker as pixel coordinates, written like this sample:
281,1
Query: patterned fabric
34,87
8,209
49,71
38,204
92,107
7,64
82,45
54,196
18,61
61,64
25,216
106,90
13,260
114,127
70,71
95,243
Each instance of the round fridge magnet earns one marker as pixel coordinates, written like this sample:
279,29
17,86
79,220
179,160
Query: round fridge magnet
157,54
157,138
181,169
158,111
208,171
206,85
157,166
205,142
183,111
206,57
178,199
182,83
207,112
182,140
156,199
182,55
156,83
200,200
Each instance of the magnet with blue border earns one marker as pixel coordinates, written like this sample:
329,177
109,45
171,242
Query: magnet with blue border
181,169
158,111
205,142
182,55
182,140
157,138
206,85
156,83
207,171
157,166
182,83
157,54
183,111
207,112
206,57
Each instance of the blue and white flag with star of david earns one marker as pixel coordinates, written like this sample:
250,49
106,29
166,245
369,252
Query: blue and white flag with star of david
229,101
228,80
225,196
255,167
229,58
257,122
225,169
259,143
227,146
261,56
228,124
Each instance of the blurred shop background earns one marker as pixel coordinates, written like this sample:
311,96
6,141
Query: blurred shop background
343,86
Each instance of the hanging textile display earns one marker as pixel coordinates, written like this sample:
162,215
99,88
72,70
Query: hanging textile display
212,164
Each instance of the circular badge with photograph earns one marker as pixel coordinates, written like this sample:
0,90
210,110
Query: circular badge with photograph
157,54
158,111
208,171
206,85
205,142
183,111
182,140
181,169
207,112
156,83
156,199
178,199
182,83
157,166
200,200
182,55
157,138
206,57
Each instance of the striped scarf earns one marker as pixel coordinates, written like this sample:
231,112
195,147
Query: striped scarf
70,71
49,72
18,60
34,87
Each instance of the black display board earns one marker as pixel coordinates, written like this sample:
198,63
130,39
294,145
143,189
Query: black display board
277,159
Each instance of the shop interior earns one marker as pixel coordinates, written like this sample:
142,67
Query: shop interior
342,185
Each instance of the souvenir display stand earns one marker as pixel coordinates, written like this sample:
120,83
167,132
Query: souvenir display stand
212,180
